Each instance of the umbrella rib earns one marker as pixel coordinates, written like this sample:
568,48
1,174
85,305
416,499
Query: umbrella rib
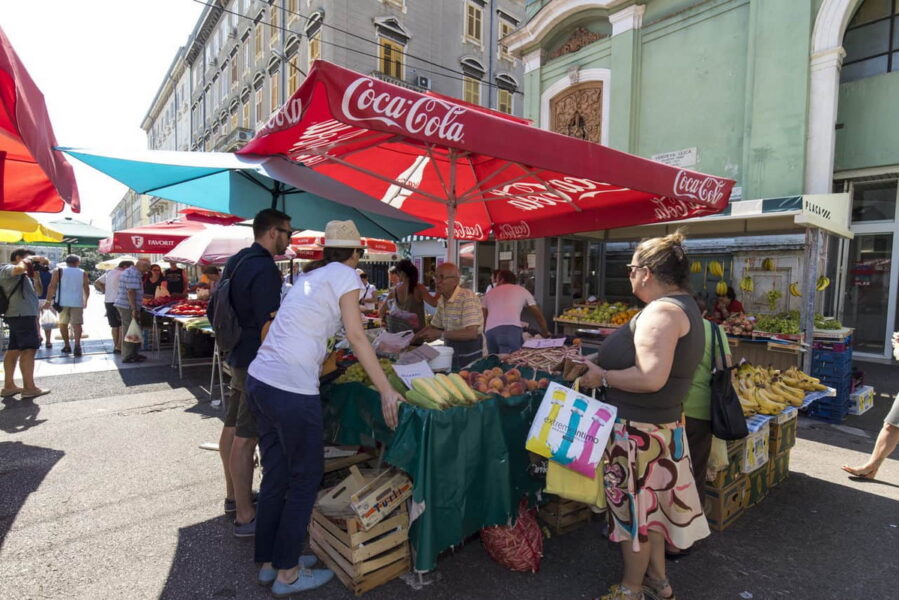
495,173
430,150
552,189
252,179
382,177
485,191
317,150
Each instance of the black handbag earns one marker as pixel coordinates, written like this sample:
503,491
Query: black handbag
728,422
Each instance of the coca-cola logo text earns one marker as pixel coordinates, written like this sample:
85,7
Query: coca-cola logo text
670,209
328,134
511,231
289,115
527,196
430,116
466,232
703,189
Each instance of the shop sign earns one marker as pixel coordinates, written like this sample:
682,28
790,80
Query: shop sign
677,158
829,212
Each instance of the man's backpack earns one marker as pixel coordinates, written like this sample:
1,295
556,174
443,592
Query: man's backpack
4,298
221,312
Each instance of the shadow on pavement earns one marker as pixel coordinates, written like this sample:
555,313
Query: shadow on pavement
19,415
22,469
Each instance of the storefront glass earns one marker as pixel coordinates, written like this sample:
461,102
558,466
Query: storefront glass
526,263
868,290
874,201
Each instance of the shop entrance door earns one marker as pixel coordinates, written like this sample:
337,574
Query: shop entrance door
868,291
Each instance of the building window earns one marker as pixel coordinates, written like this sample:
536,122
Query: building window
471,89
245,113
275,87
246,56
315,47
259,35
275,23
505,28
293,10
874,201
293,75
391,58
235,75
872,40
233,118
474,18
259,104
504,101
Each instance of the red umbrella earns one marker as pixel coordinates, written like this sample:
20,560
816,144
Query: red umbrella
35,178
158,238
209,216
446,162
309,244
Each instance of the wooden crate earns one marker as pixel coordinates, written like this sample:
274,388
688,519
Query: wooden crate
362,560
345,462
723,506
563,516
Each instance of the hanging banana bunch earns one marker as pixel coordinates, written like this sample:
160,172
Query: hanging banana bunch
823,283
721,288
716,269
746,284
794,290
696,267
769,265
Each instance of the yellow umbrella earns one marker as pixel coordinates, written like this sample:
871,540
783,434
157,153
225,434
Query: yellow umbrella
17,227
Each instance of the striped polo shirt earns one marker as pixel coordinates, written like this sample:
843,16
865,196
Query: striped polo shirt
462,310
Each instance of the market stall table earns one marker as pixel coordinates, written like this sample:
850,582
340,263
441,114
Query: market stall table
216,359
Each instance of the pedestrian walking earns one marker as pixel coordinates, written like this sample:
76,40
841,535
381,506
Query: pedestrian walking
646,369
69,289
43,270
108,285
255,294
128,302
283,393
21,286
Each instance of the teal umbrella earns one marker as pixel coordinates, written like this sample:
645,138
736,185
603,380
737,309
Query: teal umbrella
244,185
77,233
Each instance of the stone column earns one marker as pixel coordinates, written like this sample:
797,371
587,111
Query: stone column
625,62
824,89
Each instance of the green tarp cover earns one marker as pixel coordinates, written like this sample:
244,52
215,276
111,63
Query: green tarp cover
468,464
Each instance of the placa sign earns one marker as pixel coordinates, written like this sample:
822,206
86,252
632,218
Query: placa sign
544,343
677,158
409,372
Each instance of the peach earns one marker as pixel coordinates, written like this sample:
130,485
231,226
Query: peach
517,388
497,383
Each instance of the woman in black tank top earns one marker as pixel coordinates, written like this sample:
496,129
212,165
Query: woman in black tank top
646,368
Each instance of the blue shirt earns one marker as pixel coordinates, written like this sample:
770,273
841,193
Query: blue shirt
255,295
131,279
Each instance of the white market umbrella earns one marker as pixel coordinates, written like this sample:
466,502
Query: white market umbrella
212,246
112,263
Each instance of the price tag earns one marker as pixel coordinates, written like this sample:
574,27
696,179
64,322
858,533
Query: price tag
544,343
409,372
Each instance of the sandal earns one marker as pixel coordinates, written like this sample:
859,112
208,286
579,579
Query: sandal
869,474
620,592
654,587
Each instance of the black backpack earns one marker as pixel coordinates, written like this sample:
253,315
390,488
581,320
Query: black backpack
728,422
221,312
4,298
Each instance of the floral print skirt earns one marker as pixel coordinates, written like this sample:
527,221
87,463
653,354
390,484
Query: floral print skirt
650,486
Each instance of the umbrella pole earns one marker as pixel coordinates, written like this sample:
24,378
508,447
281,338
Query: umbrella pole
451,255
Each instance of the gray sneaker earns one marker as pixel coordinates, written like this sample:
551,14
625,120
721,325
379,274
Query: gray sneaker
242,530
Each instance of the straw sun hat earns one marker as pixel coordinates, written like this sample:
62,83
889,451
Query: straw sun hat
342,234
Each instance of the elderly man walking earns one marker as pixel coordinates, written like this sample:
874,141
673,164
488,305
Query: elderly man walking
459,319
70,288
108,283
128,303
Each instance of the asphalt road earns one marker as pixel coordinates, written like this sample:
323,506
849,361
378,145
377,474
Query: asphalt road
105,493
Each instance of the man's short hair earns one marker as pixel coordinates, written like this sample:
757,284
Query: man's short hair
20,253
73,259
126,263
266,219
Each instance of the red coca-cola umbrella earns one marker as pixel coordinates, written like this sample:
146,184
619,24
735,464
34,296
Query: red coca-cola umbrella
209,216
308,244
445,162
158,238
33,176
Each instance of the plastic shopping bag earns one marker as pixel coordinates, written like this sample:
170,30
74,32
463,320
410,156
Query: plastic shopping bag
717,458
571,485
571,429
162,292
48,319
133,335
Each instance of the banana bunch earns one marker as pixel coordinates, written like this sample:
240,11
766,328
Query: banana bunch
822,284
769,265
721,288
797,379
794,290
764,390
746,284
716,269
440,392
696,267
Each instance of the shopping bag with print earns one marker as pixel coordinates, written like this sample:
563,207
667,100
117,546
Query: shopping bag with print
571,429
133,335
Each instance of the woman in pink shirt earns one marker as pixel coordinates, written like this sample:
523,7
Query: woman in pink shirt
502,314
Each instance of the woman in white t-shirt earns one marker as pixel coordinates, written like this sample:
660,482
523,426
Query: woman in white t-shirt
282,391
502,313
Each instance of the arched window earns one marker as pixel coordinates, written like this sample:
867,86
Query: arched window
872,40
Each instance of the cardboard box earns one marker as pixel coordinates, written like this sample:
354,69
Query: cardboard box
755,452
734,469
723,506
783,435
861,400
778,468
758,484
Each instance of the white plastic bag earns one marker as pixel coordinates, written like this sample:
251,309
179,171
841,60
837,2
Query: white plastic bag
717,457
133,335
49,319
162,292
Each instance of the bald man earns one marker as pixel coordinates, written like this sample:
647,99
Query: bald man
459,319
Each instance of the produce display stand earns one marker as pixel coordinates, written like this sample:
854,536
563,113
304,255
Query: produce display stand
477,451
179,362
161,320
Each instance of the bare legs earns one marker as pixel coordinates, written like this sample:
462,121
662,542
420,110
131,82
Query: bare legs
883,447
241,466
225,442
116,339
25,359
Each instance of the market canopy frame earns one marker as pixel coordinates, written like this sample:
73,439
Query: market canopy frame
473,173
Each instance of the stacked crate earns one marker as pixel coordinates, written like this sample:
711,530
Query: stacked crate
832,364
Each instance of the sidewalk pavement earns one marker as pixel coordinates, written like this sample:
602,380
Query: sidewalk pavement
106,494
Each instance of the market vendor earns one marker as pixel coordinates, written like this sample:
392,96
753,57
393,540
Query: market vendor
152,281
459,319
176,280
726,305
503,305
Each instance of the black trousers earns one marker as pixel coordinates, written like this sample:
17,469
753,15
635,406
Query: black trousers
699,437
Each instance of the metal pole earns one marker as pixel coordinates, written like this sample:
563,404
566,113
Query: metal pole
451,213
810,277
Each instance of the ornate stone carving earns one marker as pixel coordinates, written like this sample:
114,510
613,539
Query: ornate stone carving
577,111
579,38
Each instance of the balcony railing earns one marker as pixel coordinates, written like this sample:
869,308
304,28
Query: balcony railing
395,81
